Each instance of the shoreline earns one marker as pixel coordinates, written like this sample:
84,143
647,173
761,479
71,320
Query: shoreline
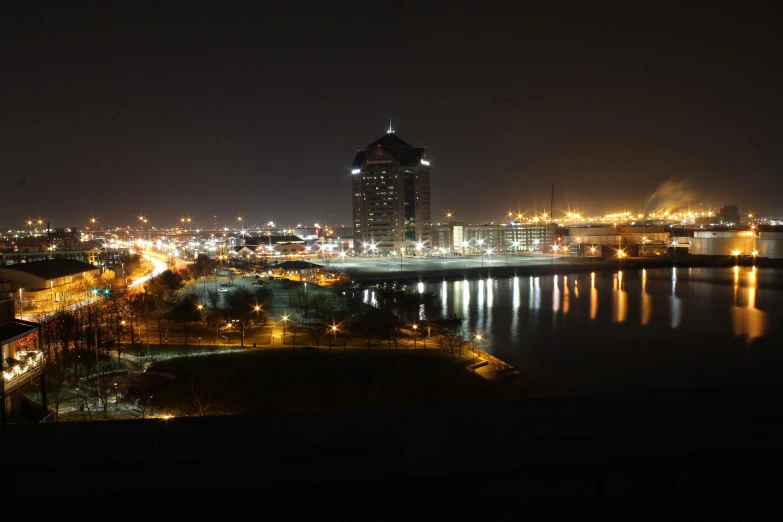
578,265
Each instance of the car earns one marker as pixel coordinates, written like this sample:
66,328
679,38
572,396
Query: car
222,289
258,283
223,284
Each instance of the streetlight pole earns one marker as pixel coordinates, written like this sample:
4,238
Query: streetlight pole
415,329
478,341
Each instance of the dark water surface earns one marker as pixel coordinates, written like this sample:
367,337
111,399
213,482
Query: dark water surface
629,330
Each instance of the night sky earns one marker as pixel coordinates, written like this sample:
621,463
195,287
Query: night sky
200,108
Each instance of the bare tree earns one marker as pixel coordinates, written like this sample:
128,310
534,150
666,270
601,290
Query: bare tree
395,333
214,297
105,391
301,302
292,330
202,404
142,406
454,338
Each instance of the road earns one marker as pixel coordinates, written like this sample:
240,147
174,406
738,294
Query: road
158,268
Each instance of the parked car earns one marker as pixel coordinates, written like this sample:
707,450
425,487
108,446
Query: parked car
258,283
224,284
222,289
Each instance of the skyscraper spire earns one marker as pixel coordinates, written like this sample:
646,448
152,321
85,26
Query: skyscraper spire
390,131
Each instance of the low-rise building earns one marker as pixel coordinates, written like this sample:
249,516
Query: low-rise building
517,237
299,271
44,284
22,360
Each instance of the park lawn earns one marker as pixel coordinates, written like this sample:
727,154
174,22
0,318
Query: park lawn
303,380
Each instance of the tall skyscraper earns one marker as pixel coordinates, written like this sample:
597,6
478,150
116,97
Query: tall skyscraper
391,196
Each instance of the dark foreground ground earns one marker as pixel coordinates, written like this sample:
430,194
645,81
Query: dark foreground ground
286,380
682,455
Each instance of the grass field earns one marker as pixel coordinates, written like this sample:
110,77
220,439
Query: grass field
287,380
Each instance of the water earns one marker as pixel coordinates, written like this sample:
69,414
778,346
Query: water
629,330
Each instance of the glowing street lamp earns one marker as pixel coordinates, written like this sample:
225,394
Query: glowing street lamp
736,254
478,338
514,244
415,329
754,254
487,252
285,322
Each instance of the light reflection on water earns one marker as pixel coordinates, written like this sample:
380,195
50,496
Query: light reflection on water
748,320
669,312
647,301
619,299
675,303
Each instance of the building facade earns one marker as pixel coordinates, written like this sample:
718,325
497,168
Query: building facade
391,196
43,285
470,239
21,343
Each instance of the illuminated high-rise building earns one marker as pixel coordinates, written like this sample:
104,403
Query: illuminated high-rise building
391,196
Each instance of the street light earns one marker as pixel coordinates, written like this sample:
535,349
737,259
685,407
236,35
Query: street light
415,328
333,330
736,254
478,341
514,244
620,255
285,322
754,254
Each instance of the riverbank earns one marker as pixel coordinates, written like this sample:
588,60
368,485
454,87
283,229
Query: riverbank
557,265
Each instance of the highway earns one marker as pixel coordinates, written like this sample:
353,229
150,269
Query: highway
159,267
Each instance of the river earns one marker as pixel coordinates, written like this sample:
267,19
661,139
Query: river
629,330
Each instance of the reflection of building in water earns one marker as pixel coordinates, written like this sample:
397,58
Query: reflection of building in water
566,296
748,320
675,303
515,304
481,312
465,298
619,299
537,297
647,307
593,297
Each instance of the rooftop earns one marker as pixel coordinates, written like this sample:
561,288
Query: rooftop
11,331
53,268
266,240
297,265
395,146
389,140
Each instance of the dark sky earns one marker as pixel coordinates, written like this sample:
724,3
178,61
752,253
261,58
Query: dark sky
203,108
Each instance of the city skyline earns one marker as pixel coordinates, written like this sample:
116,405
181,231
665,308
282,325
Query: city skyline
114,117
